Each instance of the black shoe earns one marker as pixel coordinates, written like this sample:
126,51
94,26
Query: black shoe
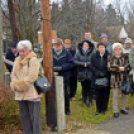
116,115
83,104
97,113
54,128
124,112
104,112
68,112
90,104
80,99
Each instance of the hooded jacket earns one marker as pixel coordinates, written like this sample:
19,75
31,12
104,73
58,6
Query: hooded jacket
81,58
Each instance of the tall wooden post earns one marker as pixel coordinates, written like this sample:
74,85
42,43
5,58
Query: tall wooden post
1,49
12,20
48,63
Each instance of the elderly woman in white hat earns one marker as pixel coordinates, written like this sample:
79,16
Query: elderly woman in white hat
118,65
25,73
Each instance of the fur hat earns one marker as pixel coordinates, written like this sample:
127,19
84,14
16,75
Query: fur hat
103,35
116,45
128,40
67,41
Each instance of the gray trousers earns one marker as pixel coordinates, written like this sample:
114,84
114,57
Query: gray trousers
116,92
30,117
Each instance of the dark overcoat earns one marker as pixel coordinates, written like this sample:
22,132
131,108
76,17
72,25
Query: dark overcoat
64,60
99,65
10,56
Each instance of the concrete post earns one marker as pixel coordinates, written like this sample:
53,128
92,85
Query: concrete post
7,78
61,123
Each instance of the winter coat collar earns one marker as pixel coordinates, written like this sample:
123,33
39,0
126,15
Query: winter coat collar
20,62
63,51
106,54
90,50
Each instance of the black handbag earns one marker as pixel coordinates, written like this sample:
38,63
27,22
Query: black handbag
101,82
126,87
42,85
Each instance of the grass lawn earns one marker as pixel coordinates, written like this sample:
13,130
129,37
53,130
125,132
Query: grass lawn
81,117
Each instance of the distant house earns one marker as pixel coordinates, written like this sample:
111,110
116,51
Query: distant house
123,34
115,32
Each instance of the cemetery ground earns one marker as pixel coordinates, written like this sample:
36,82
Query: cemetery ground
81,118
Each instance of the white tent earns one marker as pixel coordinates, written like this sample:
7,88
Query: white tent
123,33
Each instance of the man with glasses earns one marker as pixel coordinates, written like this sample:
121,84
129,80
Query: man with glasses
73,77
63,62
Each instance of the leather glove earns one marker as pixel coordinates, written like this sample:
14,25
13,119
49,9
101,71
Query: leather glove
57,69
102,74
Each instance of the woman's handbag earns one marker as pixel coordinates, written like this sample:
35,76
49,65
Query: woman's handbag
42,85
102,82
126,87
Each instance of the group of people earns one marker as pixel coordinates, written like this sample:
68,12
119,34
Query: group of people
91,61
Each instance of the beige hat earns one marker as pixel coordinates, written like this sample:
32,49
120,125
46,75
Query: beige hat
59,41
128,40
116,45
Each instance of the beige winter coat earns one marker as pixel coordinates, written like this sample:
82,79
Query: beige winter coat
24,76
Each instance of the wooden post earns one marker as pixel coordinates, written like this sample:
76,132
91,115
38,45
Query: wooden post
12,20
48,63
1,49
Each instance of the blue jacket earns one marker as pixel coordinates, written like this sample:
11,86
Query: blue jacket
64,60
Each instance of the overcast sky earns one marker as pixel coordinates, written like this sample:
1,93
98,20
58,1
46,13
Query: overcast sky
107,2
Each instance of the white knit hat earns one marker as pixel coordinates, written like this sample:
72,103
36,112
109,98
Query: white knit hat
116,45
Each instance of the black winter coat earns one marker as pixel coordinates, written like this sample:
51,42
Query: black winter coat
64,60
10,56
99,65
74,68
81,58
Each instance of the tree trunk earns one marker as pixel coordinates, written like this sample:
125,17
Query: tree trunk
48,63
12,21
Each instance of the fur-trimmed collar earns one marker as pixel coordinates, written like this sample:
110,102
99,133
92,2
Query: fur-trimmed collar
20,62
123,55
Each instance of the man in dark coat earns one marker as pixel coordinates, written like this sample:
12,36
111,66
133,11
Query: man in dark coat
73,76
63,62
11,55
83,63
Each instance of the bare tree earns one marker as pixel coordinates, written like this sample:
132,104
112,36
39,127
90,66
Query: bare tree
26,14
